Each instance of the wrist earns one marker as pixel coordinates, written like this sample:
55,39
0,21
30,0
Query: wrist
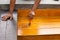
10,12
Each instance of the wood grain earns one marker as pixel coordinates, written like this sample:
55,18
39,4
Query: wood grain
8,28
44,18
40,37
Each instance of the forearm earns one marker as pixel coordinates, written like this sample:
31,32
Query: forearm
36,4
12,5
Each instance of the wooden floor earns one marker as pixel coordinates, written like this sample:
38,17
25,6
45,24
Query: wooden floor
44,19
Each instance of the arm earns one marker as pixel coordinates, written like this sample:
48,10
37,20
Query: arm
36,4
32,13
12,5
9,15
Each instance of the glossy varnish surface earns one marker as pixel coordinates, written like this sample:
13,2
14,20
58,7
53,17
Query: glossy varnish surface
44,18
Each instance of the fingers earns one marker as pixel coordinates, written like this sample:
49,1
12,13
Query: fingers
5,18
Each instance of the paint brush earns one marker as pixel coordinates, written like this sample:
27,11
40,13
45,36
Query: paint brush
30,17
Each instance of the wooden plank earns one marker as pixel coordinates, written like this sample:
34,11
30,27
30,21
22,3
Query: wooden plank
2,28
48,31
8,29
40,37
11,32
40,12
44,18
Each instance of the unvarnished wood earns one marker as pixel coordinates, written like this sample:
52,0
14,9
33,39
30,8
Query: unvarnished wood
2,28
8,28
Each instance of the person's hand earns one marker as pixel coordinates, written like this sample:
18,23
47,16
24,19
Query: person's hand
8,16
31,14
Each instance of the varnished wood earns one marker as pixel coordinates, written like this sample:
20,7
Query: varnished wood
39,37
40,12
43,17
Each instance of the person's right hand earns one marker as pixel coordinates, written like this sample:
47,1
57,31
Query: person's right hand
31,14
8,16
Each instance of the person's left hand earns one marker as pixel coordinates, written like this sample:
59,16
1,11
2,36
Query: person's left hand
8,16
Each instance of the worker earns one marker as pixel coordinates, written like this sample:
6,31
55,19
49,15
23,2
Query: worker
9,15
